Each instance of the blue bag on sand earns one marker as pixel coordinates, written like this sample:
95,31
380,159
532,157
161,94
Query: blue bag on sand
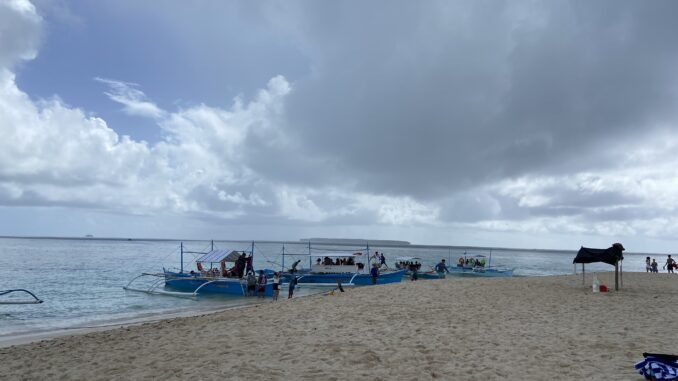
657,366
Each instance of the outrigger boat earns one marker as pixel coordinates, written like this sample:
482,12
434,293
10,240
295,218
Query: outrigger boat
406,263
474,265
329,269
208,279
11,300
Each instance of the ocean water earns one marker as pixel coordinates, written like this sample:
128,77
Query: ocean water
81,280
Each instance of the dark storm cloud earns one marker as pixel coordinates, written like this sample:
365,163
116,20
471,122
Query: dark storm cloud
427,99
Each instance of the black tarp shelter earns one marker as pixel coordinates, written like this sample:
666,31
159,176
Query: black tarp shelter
612,256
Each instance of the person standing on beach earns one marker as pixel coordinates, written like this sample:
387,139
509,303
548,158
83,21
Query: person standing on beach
276,285
374,271
654,265
648,265
251,284
441,268
261,284
670,264
293,282
413,269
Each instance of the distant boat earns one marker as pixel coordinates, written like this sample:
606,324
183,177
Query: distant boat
406,263
89,236
474,265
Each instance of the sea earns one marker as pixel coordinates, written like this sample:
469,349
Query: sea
81,280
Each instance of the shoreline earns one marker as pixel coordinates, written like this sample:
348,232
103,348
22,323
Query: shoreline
12,339
28,337
528,328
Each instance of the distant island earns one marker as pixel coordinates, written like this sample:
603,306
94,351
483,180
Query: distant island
355,241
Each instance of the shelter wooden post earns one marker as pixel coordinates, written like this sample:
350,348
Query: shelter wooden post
583,274
616,276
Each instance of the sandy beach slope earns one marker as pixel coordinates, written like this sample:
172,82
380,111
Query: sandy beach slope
456,329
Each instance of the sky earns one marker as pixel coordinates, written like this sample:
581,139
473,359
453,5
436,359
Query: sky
483,123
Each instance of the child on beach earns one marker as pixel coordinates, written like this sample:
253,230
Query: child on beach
654,266
648,265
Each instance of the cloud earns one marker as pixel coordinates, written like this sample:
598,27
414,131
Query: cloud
554,118
435,99
20,32
134,100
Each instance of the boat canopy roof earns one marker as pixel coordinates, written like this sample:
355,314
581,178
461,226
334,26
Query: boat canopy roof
215,256
407,259
475,256
332,255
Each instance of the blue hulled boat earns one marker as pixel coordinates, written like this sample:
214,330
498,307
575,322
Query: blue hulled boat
475,266
347,269
216,273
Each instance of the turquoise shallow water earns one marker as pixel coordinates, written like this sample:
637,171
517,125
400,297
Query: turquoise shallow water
81,280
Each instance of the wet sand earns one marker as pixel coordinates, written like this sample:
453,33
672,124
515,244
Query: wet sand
458,329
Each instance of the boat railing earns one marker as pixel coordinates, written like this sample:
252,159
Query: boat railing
153,288
35,299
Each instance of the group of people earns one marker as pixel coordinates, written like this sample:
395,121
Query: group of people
256,285
242,267
470,262
408,265
379,259
669,265
343,261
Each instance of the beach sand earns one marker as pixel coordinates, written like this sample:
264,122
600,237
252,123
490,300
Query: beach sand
457,329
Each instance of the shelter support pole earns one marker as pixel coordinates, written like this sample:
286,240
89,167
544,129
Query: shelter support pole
616,276
583,274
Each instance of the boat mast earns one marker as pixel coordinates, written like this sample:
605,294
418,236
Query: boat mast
310,260
489,263
368,256
182,257
283,259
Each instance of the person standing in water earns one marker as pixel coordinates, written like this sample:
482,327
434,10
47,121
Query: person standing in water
293,283
648,265
441,268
